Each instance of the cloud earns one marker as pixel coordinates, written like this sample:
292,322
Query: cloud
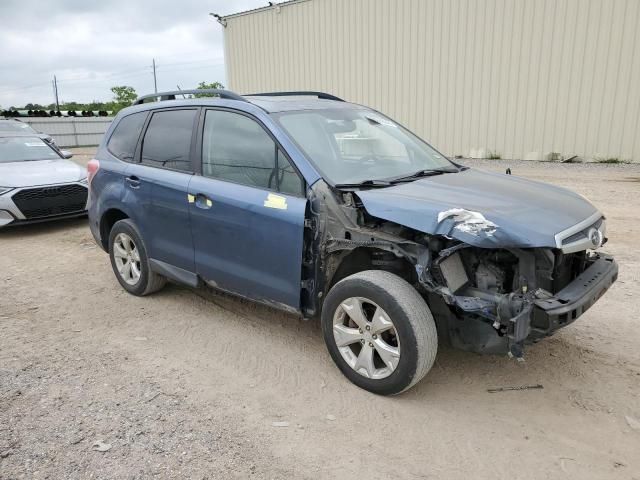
93,45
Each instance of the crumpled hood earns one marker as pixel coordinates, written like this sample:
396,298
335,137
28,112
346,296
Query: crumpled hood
40,172
481,208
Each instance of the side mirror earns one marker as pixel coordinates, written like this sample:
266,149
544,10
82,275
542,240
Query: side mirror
66,154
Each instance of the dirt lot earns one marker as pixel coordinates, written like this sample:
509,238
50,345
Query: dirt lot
194,384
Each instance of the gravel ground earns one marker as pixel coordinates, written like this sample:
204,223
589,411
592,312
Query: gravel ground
196,384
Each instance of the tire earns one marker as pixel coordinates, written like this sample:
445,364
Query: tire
414,331
147,282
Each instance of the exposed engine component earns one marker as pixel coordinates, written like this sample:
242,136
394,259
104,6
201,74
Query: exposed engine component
490,277
453,272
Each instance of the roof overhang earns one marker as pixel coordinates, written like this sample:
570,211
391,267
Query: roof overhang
262,9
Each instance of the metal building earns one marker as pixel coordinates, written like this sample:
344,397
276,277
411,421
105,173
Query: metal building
520,78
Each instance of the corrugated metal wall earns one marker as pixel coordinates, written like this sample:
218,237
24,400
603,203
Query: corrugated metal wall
72,132
511,76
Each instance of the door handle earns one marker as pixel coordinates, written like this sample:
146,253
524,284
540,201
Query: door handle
133,181
202,201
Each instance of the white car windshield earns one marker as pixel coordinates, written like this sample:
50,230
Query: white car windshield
350,146
24,149
14,126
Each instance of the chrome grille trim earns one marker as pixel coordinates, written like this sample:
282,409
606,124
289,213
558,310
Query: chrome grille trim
582,243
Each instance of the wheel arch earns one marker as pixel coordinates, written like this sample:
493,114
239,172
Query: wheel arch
107,221
348,262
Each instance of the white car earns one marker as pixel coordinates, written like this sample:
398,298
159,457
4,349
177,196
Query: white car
12,125
38,182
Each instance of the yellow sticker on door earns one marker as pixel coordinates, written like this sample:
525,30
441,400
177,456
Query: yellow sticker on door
276,201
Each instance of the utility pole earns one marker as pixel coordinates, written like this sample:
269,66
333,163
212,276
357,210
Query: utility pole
179,89
155,82
55,91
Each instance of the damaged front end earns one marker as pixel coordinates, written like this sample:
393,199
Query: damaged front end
487,295
499,300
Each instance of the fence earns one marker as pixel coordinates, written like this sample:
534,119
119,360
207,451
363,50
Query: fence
72,132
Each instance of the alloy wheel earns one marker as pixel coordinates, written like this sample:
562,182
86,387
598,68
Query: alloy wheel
127,258
366,338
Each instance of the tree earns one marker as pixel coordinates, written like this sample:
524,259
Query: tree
206,86
123,96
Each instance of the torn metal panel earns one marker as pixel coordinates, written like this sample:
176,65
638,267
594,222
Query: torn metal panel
467,221
500,210
333,230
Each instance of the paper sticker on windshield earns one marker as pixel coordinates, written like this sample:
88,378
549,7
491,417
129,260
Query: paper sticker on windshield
34,144
276,201
381,121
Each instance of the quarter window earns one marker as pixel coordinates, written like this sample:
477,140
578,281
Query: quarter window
124,138
237,149
288,178
167,142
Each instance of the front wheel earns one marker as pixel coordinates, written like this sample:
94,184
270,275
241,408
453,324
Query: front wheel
379,331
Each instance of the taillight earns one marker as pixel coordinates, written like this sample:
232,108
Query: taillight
92,168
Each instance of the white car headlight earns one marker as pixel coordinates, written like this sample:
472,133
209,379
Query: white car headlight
4,190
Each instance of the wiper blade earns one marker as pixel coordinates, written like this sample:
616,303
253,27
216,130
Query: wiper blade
420,174
365,184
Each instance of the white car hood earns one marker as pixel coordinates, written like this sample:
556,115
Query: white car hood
40,172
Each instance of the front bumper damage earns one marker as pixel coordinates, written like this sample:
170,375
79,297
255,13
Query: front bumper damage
530,315
550,314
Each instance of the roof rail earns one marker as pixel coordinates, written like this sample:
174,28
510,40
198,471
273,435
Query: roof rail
320,95
226,94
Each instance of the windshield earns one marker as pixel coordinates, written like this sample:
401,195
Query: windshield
14,126
353,146
24,149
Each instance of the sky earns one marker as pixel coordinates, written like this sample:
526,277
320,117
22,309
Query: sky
92,45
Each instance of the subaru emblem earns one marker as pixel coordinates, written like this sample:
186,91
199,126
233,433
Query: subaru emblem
595,236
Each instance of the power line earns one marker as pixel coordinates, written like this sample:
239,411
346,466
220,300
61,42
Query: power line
88,80
201,67
116,76
67,81
28,87
192,62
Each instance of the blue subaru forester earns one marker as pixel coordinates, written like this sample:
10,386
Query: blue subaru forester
329,209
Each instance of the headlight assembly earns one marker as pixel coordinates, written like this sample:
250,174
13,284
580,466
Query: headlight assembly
4,190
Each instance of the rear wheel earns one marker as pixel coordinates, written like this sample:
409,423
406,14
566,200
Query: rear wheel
130,262
379,331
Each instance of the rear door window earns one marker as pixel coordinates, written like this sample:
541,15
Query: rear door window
167,141
124,138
